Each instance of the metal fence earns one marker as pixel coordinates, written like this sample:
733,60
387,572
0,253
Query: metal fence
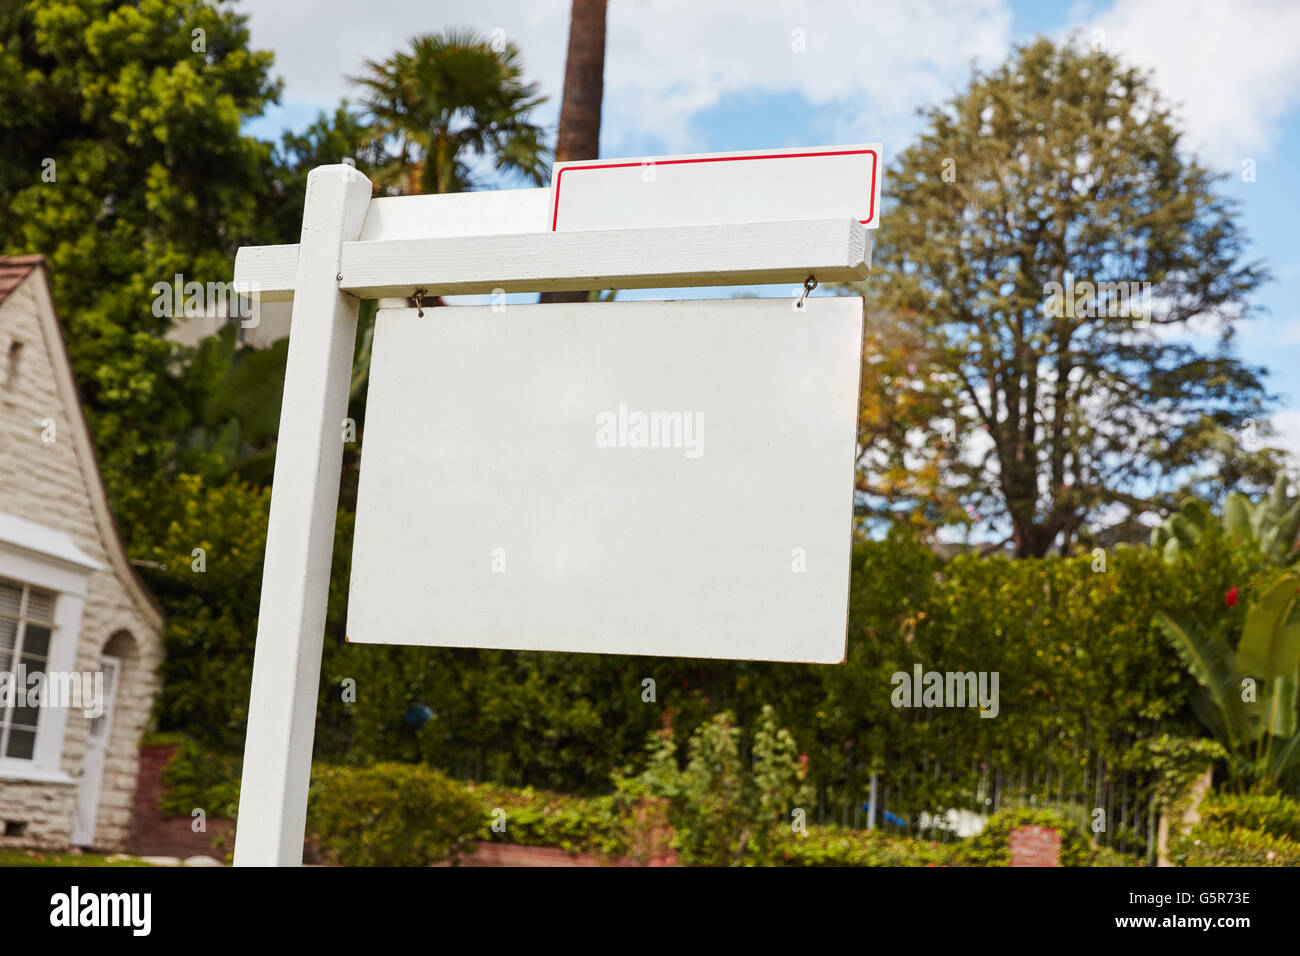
945,799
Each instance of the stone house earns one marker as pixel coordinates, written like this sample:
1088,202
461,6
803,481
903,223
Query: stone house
71,606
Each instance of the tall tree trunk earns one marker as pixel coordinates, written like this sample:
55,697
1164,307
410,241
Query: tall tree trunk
584,88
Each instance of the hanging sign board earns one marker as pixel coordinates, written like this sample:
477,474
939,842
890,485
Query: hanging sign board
770,185
664,478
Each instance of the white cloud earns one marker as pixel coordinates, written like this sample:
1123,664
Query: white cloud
866,66
1233,68
1286,425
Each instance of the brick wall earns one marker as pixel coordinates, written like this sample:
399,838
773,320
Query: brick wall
1035,846
507,854
152,834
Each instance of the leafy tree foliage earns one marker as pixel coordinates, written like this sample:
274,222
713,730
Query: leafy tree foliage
125,166
1065,167
141,116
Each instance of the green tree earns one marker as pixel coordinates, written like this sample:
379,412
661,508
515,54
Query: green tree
449,102
1060,175
124,165
339,137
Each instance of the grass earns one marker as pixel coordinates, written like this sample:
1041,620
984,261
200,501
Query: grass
43,858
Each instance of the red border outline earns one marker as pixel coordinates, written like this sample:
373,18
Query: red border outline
875,165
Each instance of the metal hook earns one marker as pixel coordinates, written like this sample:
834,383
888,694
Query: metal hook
419,301
809,284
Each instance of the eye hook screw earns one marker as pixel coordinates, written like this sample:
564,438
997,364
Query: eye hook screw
809,284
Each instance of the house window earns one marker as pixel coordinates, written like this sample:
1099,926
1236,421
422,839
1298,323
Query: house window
26,628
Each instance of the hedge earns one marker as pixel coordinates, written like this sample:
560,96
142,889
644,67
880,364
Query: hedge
1083,676
1084,679
391,814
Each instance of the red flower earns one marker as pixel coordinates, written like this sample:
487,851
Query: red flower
1230,598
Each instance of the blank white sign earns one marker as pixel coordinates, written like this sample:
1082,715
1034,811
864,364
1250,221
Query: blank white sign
666,478
771,185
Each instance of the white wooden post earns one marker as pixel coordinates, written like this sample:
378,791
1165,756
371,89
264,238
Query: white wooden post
300,536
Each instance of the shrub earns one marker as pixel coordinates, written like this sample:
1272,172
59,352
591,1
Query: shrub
725,811
1273,814
541,818
392,814
1255,829
834,846
198,778
1213,846
992,845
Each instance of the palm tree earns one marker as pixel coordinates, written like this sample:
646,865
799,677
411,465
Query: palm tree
584,88
584,83
448,104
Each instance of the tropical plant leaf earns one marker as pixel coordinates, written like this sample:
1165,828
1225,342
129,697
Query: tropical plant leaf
1281,704
1287,757
1206,659
1210,715
1236,516
1287,528
1270,640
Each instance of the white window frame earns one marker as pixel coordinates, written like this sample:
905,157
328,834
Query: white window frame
42,558
13,660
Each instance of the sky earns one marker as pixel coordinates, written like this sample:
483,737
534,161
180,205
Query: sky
685,76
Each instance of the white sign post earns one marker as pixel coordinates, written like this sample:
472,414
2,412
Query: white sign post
643,477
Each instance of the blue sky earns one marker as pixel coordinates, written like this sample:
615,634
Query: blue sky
711,75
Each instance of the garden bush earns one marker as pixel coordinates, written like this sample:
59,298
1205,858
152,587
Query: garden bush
541,818
726,808
1255,829
836,846
392,814
992,845
1274,814
1216,846
195,777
